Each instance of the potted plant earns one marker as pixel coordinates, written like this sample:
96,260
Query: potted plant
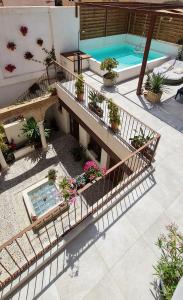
109,64
147,85
11,46
169,268
39,42
10,68
6,150
156,87
68,190
34,88
52,90
92,171
28,55
139,140
52,175
79,87
95,98
24,30
30,130
114,116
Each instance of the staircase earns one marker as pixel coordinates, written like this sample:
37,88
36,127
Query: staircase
37,89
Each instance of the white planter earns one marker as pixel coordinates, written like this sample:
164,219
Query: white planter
23,151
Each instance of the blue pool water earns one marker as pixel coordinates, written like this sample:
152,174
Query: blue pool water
124,53
44,197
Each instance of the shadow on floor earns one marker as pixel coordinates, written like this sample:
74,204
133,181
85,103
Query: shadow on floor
69,260
39,160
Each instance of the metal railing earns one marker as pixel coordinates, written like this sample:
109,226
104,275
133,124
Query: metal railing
25,248
22,250
129,126
37,89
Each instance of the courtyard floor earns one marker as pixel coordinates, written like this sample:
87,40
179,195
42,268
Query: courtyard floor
28,171
113,257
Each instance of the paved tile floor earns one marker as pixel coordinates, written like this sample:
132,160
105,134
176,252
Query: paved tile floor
27,171
113,258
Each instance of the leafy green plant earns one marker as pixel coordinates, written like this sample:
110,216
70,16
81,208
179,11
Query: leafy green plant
3,145
31,131
156,83
68,189
139,140
81,180
109,64
180,53
114,116
52,175
79,85
52,90
170,265
147,84
96,98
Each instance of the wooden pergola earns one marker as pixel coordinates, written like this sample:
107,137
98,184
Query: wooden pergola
153,10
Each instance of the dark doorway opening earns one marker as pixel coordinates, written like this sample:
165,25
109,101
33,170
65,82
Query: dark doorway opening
74,128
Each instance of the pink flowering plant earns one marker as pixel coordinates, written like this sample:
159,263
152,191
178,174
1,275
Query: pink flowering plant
92,170
69,186
68,189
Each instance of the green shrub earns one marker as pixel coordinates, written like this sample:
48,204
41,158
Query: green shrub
170,265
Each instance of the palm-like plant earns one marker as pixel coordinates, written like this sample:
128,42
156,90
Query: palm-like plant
31,131
139,140
156,83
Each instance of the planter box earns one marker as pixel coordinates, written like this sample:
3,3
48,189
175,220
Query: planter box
23,151
60,209
97,110
147,152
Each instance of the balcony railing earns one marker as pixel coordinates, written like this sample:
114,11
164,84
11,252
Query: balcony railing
22,250
25,248
129,126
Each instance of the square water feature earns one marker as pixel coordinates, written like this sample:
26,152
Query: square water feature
41,197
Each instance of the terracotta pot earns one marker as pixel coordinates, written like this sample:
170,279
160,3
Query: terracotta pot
114,126
80,97
152,97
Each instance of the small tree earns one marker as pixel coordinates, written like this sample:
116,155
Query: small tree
79,86
114,116
109,64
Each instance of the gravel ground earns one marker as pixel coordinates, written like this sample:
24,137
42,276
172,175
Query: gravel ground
27,171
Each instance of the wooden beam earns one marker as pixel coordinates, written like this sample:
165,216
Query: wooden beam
146,53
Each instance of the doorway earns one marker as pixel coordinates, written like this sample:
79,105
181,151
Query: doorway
74,128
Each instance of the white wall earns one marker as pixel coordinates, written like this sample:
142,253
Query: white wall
65,29
57,26
14,131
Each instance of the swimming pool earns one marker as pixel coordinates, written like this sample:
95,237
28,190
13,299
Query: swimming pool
127,55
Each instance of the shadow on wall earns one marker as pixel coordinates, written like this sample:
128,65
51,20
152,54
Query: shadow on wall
68,262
